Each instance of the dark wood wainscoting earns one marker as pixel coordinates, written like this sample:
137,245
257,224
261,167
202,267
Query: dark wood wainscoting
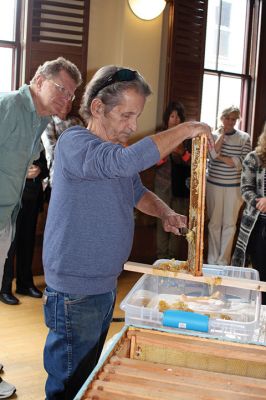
144,245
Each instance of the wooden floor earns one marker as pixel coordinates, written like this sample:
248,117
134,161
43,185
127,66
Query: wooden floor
23,334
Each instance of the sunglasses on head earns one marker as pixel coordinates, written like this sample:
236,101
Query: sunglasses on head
123,75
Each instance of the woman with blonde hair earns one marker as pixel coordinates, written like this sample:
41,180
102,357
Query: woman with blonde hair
223,185
252,235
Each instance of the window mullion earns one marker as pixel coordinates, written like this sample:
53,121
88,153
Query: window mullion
218,96
8,44
225,73
218,36
18,38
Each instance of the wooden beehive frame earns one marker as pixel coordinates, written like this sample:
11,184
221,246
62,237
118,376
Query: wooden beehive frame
151,365
197,204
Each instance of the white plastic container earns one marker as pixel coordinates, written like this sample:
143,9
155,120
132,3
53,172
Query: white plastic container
240,306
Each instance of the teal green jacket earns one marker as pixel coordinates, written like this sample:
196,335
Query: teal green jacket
20,132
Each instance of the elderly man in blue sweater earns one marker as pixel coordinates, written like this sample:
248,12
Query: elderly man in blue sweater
90,225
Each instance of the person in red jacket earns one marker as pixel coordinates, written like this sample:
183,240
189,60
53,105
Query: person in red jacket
171,184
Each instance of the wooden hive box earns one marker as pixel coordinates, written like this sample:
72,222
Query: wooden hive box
151,365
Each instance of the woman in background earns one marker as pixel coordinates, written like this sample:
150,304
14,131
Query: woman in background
251,240
172,186
223,186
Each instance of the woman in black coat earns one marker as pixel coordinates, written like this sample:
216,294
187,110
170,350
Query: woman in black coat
24,241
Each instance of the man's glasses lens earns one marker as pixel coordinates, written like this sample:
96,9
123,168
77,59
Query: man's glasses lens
65,93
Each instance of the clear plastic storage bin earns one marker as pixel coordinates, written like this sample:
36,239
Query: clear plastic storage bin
233,313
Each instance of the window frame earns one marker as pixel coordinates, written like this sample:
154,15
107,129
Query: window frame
177,83
30,50
245,76
15,45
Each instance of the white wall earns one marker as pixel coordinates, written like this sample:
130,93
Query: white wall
117,36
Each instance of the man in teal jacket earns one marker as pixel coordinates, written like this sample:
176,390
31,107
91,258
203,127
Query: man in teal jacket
24,114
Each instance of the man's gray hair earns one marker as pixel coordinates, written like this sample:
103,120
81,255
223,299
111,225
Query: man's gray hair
53,67
110,94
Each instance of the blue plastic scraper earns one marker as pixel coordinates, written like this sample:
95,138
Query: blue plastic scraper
185,320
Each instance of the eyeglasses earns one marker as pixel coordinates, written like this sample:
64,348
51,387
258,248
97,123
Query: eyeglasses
63,91
123,75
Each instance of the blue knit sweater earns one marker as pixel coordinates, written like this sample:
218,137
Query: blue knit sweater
90,225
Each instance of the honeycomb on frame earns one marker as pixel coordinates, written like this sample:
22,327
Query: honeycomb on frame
197,205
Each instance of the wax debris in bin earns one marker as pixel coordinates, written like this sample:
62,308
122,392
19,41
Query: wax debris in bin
233,315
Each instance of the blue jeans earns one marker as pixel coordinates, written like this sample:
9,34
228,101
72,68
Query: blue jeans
78,326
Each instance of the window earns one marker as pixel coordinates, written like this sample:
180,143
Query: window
9,46
50,28
224,80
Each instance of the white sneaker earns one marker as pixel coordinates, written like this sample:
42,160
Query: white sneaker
6,389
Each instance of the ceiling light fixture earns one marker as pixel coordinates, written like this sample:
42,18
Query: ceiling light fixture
147,9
